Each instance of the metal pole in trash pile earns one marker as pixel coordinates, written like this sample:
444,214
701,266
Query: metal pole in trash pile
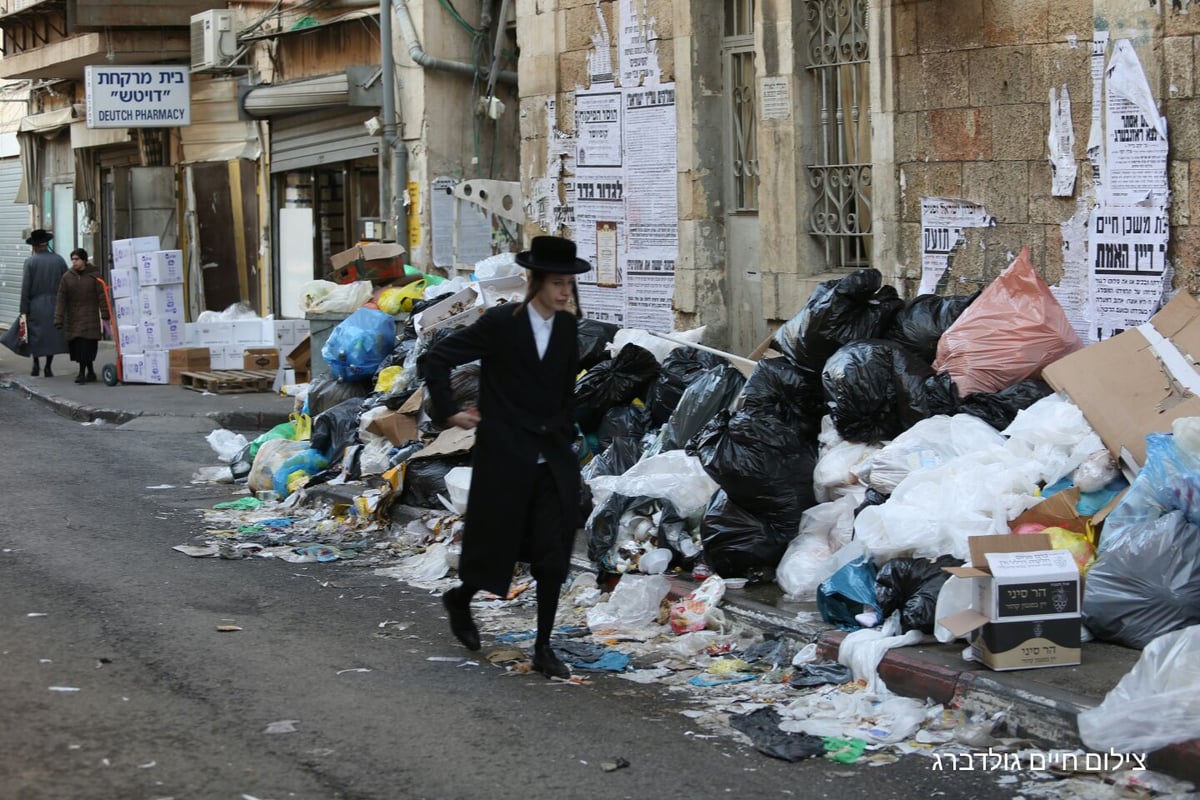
744,365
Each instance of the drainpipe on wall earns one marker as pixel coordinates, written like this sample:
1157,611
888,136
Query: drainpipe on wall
408,32
392,185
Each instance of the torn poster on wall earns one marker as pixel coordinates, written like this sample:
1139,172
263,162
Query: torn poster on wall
942,222
1095,145
637,44
1062,144
1135,133
599,58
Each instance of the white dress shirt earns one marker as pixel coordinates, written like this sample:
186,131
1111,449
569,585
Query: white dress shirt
541,329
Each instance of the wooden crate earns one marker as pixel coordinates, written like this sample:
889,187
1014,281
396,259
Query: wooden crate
229,381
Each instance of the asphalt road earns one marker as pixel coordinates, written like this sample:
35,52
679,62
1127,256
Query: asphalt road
162,705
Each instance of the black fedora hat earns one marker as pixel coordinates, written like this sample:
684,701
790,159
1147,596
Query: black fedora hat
40,236
552,254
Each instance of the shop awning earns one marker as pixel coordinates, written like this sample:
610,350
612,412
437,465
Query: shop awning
50,121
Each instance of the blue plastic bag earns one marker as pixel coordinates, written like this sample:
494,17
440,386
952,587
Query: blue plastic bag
1169,481
359,344
308,461
848,592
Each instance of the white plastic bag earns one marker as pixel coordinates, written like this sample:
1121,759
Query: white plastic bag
498,266
1053,433
809,559
458,485
326,297
632,604
374,457
226,444
1156,704
691,613
934,511
928,444
833,476
956,595
862,650
658,346
673,476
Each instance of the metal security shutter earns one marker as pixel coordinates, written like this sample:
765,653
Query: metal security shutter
14,218
323,137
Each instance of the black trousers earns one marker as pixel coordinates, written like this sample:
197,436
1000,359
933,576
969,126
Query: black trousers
83,350
548,541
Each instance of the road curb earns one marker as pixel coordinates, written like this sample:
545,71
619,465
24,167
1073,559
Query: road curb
70,409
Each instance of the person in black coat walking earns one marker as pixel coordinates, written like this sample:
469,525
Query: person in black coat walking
39,293
523,503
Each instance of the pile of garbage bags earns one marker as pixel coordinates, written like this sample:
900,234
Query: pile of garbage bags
851,464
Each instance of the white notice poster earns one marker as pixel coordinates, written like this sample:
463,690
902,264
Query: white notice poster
1127,251
1135,133
1095,143
637,44
942,223
598,127
441,220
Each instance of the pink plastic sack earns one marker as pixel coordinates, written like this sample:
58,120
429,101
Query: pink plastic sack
1014,329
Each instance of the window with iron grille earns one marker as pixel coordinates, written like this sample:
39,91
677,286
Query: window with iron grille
737,45
840,175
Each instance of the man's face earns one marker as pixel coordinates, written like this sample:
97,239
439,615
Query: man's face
556,293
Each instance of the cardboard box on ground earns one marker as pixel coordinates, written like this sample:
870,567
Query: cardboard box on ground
1025,611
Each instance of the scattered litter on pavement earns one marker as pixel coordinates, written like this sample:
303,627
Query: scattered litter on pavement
614,765
228,628
36,614
282,726
352,669
161,486
148,765
63,688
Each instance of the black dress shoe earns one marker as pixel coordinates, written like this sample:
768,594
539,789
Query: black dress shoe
35,371
79,378
545,662
461,624
48,373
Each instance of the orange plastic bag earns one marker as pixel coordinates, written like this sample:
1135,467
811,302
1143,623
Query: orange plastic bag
1012,330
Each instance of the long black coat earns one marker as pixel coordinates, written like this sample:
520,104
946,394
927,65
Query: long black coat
526,409
39,294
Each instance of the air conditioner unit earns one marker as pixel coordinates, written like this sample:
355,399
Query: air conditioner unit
214,41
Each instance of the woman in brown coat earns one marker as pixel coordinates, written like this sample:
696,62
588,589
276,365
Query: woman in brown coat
78,313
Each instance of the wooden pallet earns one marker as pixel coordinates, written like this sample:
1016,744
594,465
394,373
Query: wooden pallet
229,381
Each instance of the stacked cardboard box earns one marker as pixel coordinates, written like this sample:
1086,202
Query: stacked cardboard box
245,343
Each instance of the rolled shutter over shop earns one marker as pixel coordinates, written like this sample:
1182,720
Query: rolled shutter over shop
14,218
320,138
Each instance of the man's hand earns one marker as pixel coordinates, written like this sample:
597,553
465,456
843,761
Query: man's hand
465,419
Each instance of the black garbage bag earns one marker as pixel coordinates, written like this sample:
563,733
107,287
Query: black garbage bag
400,353
680,368
464,387
328,392
762,726
873,497
409,333
713,391
764,465
1146,583
920,324
336,428
788,391
612,383
628,421
593,336
425,479
840,311
1000,408
820,673
616,459
771,653
911,585
738,544
604,535
876,390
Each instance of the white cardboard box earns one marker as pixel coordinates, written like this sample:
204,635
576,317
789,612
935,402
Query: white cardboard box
285,334
162,301
124,282
456,310
128,311
211,334
226,356
252,332
1041,583
161,333
158,366
160,267
125,251
130,338
133,368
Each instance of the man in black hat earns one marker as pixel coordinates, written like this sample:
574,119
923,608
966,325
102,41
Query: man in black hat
523,503
39,294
